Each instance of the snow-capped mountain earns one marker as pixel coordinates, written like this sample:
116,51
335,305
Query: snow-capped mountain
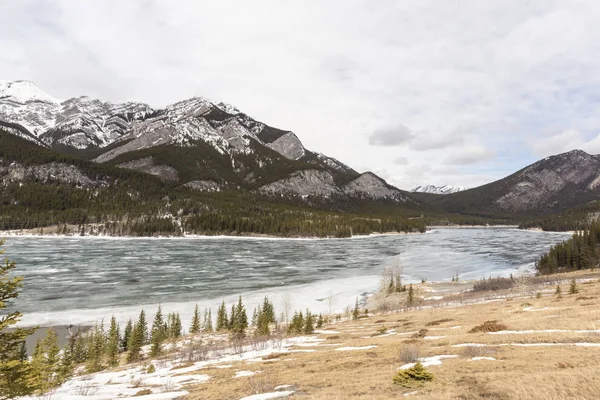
444,189
227,147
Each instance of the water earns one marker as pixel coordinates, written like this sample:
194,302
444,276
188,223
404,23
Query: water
82,279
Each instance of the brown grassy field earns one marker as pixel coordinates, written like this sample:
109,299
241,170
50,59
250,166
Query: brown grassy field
554,353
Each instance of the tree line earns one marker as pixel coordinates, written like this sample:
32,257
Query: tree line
581,251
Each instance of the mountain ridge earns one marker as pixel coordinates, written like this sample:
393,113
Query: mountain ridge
233,149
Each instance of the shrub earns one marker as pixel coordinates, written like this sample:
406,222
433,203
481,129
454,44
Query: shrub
409,354
573,289
491,284
143,392
151,369
489,326
412,377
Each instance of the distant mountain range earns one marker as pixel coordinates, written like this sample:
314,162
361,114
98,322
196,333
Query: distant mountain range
444,189
205,147
195,142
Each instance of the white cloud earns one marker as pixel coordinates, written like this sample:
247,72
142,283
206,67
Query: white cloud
495,75
568,140
469,155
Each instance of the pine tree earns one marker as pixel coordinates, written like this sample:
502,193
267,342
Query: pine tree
356,311
45,363
126,335
232,318
195,326
136,341
411,295
222,321
113,343
269,310
573,289
391,286
144,327
320,321
13,371
239,319
558,291
309,323
96,349
159,333
175,330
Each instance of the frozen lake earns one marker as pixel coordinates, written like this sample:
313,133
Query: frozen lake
83,279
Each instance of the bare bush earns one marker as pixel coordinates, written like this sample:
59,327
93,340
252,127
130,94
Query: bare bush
492,284
259,343
195,351
409,354
261,383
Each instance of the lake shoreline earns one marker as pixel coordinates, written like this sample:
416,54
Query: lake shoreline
35,233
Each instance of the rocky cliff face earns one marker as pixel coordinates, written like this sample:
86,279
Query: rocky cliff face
45,173
444,189
549,181
232,148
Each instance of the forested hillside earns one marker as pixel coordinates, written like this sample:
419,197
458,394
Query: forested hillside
42,188
582,251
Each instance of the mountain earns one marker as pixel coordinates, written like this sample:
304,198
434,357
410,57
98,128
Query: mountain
194,142
445,189
548,186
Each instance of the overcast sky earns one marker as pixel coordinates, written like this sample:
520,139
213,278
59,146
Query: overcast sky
420,92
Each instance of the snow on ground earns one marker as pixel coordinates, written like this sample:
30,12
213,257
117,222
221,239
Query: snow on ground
410,393
536,309
433,337
267,396
429,361
243,374
355,348
482,359
168,380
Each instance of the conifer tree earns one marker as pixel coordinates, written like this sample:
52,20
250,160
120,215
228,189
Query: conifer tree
269,310
558,291
126,335
136,341
239,319
320,321
13,371
112,350
411,295
356,311
144,327
96,349
45,363
80,348
175,330
391,286
232,318
309,323
195,326
573,289
222,321
159,333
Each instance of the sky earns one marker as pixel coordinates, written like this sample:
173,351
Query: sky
419,92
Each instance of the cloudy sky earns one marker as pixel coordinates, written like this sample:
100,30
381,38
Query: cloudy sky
420,92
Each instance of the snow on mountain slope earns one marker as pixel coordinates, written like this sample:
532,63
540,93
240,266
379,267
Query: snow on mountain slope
85,123
444,189
23,92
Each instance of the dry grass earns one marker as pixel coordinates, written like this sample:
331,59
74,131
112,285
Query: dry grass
562,371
